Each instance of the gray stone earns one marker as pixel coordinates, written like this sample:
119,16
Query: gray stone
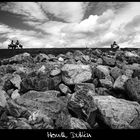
118,113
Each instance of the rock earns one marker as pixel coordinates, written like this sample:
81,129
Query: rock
16,80
88,88
22,125
118,113
106,83
85,58
64,89
41,58
120,82
3,115
15,109
99,61
73,74
101,71
108,61
132,87
102,91
78,55
136,73
115,72
15,94
2,98
130,54
47,102
37,117
60,59
128,73
8,85
55,72
20,58
78,124
81,106
39,82
42,69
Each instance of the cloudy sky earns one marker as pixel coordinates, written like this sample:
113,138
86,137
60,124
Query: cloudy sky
70,24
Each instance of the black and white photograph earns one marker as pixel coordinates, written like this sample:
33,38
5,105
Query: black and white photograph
70,65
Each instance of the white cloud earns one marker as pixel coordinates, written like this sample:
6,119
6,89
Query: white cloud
68,11
4,29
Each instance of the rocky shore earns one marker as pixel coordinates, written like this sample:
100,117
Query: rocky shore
88,89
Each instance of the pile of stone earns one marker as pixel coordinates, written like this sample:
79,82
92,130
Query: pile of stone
79,90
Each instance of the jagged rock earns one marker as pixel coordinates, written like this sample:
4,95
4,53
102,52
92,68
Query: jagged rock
101,71
42,69
60,59
130,54
20,58
2,98
14,109
73,74
64,89
101,91
120,82
16,80
82,107
39,82
136,73
118,113
106,83
99,61
8,85
108,61
55,72
22,125
78,124
41,57
38,117
128,73
78,55
3,115
132,87
88,88
47,102
115,72
15,94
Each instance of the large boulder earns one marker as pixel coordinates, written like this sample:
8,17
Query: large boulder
132,87
39,82
74,74
20,58
117,113
81,106
46,102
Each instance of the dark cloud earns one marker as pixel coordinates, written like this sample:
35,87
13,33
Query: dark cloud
134,23
97,8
